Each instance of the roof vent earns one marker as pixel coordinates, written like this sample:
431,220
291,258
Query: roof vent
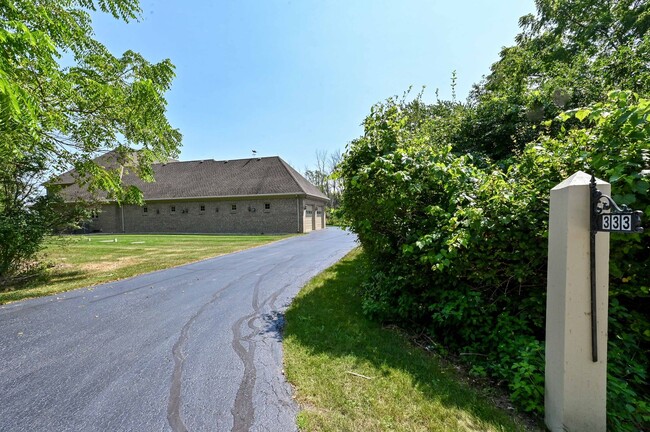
225,161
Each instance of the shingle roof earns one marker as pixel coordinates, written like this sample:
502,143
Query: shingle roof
210,179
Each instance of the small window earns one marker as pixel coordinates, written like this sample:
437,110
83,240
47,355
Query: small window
216,209
202,207
172,209
145,210
233,207
267,206
95,214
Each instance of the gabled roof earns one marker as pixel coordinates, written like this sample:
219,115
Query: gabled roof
108,160
209,179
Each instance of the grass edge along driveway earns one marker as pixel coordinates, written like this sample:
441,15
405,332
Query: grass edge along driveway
86,260
350,374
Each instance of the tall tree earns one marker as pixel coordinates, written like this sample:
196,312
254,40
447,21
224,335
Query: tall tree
572,53
67,99
72,113
336,185
324,175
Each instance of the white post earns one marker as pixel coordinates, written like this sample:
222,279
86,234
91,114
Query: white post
575,386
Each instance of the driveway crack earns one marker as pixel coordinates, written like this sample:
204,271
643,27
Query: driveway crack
243,411
174,402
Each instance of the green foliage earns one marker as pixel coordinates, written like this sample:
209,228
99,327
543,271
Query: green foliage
69,114
72,113
327,337
324,178
458,243
572,53
25,219
527,382
451,201
21,235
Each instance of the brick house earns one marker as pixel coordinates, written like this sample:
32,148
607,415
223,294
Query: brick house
257,195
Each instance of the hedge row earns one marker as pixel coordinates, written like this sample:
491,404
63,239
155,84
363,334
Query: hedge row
459,243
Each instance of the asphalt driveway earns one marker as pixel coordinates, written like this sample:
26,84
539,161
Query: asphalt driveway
193,348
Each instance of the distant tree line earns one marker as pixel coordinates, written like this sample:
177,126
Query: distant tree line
450,200
324,177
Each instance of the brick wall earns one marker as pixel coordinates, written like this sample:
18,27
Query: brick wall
216,216
107,219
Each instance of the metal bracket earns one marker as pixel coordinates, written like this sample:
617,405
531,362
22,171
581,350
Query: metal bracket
606,216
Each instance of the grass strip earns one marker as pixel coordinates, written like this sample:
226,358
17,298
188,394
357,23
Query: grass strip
81,261
350,374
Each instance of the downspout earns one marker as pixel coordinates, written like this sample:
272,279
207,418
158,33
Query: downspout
298,212
122,205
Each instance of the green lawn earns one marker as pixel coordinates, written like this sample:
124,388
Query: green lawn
79,261
350,374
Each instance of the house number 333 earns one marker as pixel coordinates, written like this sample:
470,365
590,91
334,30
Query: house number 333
616,222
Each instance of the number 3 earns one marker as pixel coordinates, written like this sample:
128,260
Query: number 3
627,222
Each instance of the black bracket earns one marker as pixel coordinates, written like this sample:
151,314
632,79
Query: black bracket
606,216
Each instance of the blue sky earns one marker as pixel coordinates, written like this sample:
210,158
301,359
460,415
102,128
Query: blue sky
289,78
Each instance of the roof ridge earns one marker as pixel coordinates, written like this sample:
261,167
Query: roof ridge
294,173
287,167
207,177
214,160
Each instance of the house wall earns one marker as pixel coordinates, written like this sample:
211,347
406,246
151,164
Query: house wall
107,218
250,216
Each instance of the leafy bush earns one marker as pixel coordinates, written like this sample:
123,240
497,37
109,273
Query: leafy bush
26,217
21,237
459,243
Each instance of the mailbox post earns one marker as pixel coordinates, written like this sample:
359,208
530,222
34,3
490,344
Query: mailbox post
581,217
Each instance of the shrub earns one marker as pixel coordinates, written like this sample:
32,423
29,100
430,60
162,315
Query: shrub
459,243
21,237
26,217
